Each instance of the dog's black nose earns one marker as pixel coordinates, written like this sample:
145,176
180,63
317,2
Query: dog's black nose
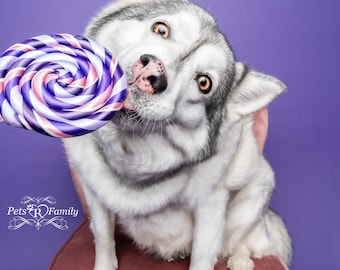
155,72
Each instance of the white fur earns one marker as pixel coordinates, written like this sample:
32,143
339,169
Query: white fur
212,208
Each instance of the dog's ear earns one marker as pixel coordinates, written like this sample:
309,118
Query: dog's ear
253,90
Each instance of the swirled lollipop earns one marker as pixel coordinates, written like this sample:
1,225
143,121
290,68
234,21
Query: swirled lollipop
60,85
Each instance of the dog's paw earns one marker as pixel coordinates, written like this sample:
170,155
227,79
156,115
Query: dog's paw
240,262
178,257
108,264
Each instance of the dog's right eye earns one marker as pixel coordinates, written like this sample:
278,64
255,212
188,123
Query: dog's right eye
161,29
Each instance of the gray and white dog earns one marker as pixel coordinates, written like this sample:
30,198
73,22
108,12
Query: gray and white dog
179,167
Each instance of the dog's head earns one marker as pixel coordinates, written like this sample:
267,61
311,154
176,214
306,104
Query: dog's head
179,66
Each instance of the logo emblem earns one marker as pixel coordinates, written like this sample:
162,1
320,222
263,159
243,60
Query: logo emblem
39,212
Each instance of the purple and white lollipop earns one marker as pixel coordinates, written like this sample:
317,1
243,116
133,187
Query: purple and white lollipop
60,85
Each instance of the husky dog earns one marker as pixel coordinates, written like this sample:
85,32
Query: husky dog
179,167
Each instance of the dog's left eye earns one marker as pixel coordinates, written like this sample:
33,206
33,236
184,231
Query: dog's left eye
204,83
162,29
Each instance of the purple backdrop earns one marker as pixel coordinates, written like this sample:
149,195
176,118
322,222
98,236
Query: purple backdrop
297,41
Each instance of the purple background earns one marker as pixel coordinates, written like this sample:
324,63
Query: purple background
297,41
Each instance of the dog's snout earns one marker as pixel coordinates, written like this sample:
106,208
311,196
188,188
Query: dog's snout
150,74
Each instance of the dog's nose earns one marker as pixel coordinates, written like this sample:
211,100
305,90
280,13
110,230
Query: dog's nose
150,74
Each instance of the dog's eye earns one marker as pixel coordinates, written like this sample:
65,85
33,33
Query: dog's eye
204,83
161,29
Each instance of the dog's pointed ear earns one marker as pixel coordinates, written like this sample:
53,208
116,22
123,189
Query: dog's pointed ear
253,90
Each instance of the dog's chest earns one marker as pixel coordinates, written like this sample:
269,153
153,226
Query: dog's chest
142,158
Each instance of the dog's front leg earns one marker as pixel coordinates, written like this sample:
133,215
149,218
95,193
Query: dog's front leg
102,226
208,232
245,218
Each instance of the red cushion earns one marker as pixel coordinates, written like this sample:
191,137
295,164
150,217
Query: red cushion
78,254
